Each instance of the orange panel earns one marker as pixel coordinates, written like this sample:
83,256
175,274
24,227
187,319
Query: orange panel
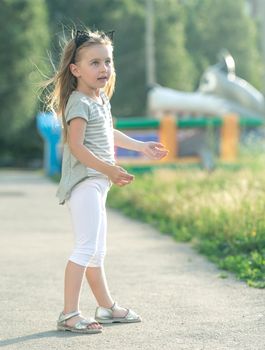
168,136
229,138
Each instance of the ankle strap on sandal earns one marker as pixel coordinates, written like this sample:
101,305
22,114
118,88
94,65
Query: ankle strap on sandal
65,317
114,306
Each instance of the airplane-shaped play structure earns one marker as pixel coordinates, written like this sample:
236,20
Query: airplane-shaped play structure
219,110
220,92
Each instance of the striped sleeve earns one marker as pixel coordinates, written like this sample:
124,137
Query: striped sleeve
77,108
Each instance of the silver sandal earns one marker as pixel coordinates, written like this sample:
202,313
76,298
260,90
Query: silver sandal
79,327
105,315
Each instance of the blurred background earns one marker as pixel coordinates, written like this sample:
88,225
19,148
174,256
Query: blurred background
190,73
166,42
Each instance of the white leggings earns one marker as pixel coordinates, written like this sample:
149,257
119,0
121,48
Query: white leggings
88,212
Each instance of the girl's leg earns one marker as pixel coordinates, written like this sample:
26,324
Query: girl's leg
84,207
74,274
95,272
72,285
98,284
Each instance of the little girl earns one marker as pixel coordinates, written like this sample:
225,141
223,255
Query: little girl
81,91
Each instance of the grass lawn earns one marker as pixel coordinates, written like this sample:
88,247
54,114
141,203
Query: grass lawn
221,213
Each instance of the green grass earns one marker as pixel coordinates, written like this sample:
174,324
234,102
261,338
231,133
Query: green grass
221,213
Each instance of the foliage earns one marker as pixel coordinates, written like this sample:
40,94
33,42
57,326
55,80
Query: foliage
213,25
174,64
188,36
26,40
128,42
23,39
221,213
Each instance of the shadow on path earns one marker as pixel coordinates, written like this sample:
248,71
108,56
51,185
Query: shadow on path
39,335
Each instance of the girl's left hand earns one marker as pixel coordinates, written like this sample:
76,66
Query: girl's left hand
154,150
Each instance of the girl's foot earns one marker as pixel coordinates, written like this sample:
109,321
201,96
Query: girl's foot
116,314
119,311
72,321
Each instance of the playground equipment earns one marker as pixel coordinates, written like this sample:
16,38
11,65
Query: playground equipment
228,105
215,137
50,129
202,141
220,92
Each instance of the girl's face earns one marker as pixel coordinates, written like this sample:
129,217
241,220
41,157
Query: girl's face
93,68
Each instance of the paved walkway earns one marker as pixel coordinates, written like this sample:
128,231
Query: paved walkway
183,302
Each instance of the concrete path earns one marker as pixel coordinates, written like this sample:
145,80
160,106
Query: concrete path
180,296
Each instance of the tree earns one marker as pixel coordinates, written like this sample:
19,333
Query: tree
188,36
213,25
23,38
127,18
174,65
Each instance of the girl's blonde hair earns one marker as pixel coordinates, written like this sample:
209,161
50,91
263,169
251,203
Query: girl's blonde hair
64,82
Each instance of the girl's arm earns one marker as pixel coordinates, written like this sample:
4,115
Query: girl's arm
76,133
153,150
124,141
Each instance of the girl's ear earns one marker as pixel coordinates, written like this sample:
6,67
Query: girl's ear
74,70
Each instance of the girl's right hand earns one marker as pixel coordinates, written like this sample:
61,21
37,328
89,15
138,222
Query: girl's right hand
119,176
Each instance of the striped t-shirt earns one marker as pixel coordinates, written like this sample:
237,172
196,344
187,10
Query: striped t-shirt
98,139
